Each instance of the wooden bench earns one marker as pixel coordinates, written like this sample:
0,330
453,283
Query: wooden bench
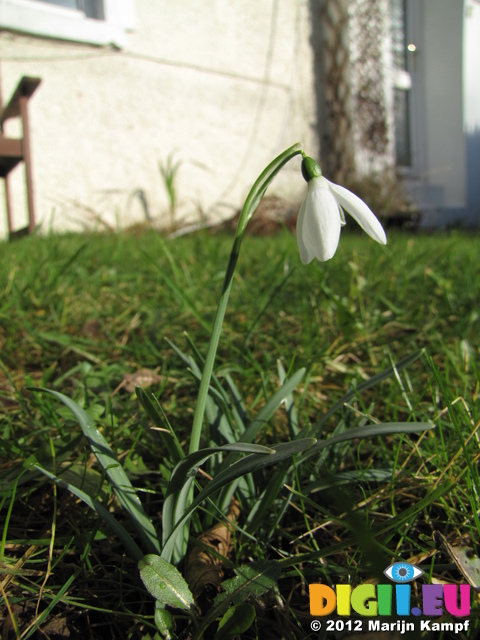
16,150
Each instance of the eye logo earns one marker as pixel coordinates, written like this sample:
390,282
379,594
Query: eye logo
402,572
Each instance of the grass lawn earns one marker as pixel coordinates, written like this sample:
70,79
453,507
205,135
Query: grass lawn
94,316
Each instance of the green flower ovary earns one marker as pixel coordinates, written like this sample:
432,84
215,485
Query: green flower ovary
310,169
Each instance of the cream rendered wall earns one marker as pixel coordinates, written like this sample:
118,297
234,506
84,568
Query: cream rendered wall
224,87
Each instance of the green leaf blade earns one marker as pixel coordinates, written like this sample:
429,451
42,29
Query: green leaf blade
236,621
165,582
249,464
178,494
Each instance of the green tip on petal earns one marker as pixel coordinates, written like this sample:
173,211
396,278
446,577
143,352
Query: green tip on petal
310,169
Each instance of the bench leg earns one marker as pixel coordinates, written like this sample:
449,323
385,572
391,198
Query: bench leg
28,163
8,202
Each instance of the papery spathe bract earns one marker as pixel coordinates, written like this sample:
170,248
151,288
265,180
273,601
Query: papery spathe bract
321,217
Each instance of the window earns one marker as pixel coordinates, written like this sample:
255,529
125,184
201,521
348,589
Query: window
100,22
402,83
91,8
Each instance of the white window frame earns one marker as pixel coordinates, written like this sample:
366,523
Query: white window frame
54,21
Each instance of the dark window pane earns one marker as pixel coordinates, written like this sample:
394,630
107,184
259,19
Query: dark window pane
69,4
402,128
94,9
91,8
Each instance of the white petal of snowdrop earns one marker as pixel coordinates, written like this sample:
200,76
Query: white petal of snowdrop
360,212
319,223
321,215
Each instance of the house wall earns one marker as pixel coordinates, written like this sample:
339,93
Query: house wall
444,98
437,96
471,79
222,90
371,81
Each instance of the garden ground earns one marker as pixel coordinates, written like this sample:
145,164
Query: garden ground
94,316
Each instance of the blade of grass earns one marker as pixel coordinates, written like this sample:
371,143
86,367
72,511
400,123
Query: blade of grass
180,294
368,384
114,525
289,404
264,503
265,303
154,409
177,495
380,429
222,416
240,468
392,524
272,404
256,424
251,580
35,624
120,481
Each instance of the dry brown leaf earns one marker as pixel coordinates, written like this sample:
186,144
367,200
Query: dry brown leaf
143,378
91,329
204,568
465,559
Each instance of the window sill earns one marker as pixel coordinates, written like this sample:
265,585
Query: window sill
51,21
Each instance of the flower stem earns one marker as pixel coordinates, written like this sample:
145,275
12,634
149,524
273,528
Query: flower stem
253,200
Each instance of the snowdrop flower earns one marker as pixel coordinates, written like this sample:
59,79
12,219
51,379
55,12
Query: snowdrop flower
321,215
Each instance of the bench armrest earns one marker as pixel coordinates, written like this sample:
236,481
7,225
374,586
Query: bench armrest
25,88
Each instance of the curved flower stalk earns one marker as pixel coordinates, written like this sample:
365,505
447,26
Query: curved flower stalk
321,217
251,203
